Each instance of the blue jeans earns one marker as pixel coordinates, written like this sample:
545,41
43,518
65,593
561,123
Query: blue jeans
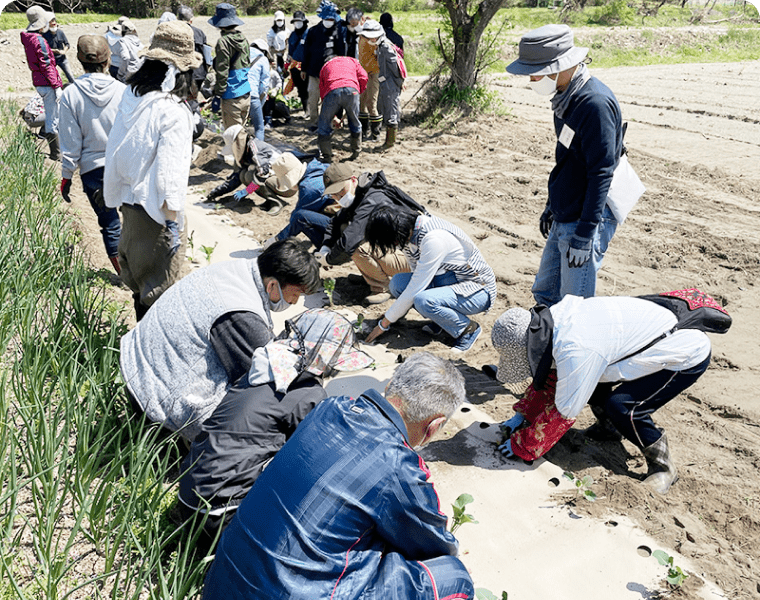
346,98
257,117
108,218
555,278
631,404
441,304
311,223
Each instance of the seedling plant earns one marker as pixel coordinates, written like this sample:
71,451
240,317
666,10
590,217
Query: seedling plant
461,517
582,485
329,285
208,251
675,576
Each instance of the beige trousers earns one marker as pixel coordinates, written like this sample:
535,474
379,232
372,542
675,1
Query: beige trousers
368,100
377,270
235,111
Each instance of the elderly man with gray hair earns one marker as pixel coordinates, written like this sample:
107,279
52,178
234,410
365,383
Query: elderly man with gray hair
350,512
576,221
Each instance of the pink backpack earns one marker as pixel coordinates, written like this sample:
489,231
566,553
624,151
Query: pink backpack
399,60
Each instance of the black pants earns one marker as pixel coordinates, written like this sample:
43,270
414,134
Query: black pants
302,86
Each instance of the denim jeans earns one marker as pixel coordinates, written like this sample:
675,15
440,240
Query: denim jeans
50,100
108,218
555,278
257,116
311,223
346,98
441,304
630,405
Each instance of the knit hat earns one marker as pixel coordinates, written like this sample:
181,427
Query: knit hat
335,177
38,18
288,171
328,10
225,16
547,50
173,43
372,29
509,337
92,49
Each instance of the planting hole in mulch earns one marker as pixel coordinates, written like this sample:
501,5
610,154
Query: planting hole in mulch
554,482
644,551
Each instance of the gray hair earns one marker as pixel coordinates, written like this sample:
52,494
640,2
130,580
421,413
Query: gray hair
354,14
185,13
427,386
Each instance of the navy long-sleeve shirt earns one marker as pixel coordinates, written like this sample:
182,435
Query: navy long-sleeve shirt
587,157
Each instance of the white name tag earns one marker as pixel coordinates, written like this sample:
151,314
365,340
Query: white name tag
566,136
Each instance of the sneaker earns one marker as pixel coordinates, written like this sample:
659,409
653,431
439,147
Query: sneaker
267,127
465,341
377,298
433,329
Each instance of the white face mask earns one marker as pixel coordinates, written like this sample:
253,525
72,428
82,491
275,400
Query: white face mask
281,304
545,86
328,23
298,24
280,23
54,29
346,200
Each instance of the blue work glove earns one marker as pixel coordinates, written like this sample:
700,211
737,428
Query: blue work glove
239,195
506,449
545,223
173,228
510,426
216,104
579,251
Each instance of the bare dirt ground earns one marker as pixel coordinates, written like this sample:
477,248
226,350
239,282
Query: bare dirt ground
694,138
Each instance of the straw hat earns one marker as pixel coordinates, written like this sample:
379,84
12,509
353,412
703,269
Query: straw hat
173,43
547,50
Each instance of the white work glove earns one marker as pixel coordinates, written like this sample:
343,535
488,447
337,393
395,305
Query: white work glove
321,255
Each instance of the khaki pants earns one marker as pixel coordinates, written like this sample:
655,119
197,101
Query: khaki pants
313,100
377,270
148,267
235,110
368,100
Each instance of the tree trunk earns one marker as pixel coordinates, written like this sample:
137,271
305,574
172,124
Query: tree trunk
467,30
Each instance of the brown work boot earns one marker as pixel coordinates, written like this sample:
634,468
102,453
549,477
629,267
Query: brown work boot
390,138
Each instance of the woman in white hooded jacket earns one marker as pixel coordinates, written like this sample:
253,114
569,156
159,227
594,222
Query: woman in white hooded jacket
148,163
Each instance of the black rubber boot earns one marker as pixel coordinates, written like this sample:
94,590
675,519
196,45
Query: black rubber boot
364,120
603,430
356,145
375,123
325,148
230,185
55,147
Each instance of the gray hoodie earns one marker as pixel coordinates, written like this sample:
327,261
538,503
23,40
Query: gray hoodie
88,108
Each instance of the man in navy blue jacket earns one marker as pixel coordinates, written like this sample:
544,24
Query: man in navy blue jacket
576,222
345,509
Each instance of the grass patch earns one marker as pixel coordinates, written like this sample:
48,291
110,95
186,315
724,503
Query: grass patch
87,489
19,20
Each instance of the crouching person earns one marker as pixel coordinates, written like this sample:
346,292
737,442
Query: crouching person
199,337
626,357
345,509
261,411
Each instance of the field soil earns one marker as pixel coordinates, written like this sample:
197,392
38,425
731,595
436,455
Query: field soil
693,137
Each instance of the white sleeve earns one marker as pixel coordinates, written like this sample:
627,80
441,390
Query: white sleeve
433,250
173,156
578,372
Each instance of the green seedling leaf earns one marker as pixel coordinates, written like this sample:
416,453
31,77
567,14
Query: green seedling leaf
484,594
462,501
504,596
590,496
568,475
587,481
662,557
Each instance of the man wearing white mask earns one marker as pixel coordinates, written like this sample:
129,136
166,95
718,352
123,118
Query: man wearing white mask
576,222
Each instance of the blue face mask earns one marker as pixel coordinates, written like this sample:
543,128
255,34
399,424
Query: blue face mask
281,304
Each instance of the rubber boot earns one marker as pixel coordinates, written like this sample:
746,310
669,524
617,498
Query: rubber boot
603,430
356,145
662,472
375,123
115,262
390,138
325,148
364,120
229,185
55,147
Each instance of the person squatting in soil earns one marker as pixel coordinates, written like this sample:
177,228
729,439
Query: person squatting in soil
45,77
350,510
449,280
576,222
623,356
88,109
148,164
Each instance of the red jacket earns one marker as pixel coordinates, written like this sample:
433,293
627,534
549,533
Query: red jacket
41,61
340,72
